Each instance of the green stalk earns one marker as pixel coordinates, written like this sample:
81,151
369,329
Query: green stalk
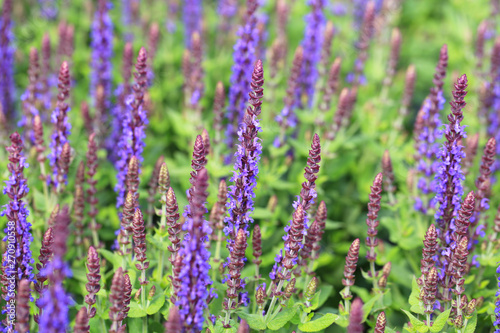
163,225
217,253
143,301
95,236
273,301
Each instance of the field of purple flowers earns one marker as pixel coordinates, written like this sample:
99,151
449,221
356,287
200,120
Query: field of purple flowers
250,166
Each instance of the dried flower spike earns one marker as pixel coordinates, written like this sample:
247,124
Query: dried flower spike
372,222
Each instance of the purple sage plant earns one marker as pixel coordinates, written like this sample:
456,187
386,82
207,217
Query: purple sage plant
134,125
449,176
61,128
247,157
192,15
312,42
427,136
244,58
101,41
55,301
7,50
16,211
193,295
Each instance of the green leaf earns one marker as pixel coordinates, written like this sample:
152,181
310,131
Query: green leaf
136,310
440,321
416,304
113,258
342,321
321,297
156,242
471,324
255,321
367,307
157,302
219,327
483,284
319,324
281,318
417,324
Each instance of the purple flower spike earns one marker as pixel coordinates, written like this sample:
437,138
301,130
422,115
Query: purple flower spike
246,167
287,117
101,38
61,126
449,177
31,98
496,323
194,275
356,317
7,50
55,302
312,43
193,15
16,211
427,134
133,128
120,109
244,58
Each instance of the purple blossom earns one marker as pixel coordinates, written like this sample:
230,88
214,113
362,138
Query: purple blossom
449,177
16,211
427,134
359,10
247,157
192,14
244,58
134,124
193,294
227,9
496,323
62,127
7,50
101,42
55,301
48,9
312,42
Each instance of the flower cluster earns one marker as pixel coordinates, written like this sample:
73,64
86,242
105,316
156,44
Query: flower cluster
101,41
427,134
55,301
7,50
193,294
287,117
61,129
16,211
244,58
133,128
192,14
312,42
247,156
449,176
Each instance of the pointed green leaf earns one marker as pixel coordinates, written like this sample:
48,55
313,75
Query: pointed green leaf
417,324
471,324
219,327
321,297
113,258
417,306
255,321
440,321
136,310
319,324
367,307
281,319
157,302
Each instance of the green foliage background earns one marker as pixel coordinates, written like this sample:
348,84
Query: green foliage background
348,165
